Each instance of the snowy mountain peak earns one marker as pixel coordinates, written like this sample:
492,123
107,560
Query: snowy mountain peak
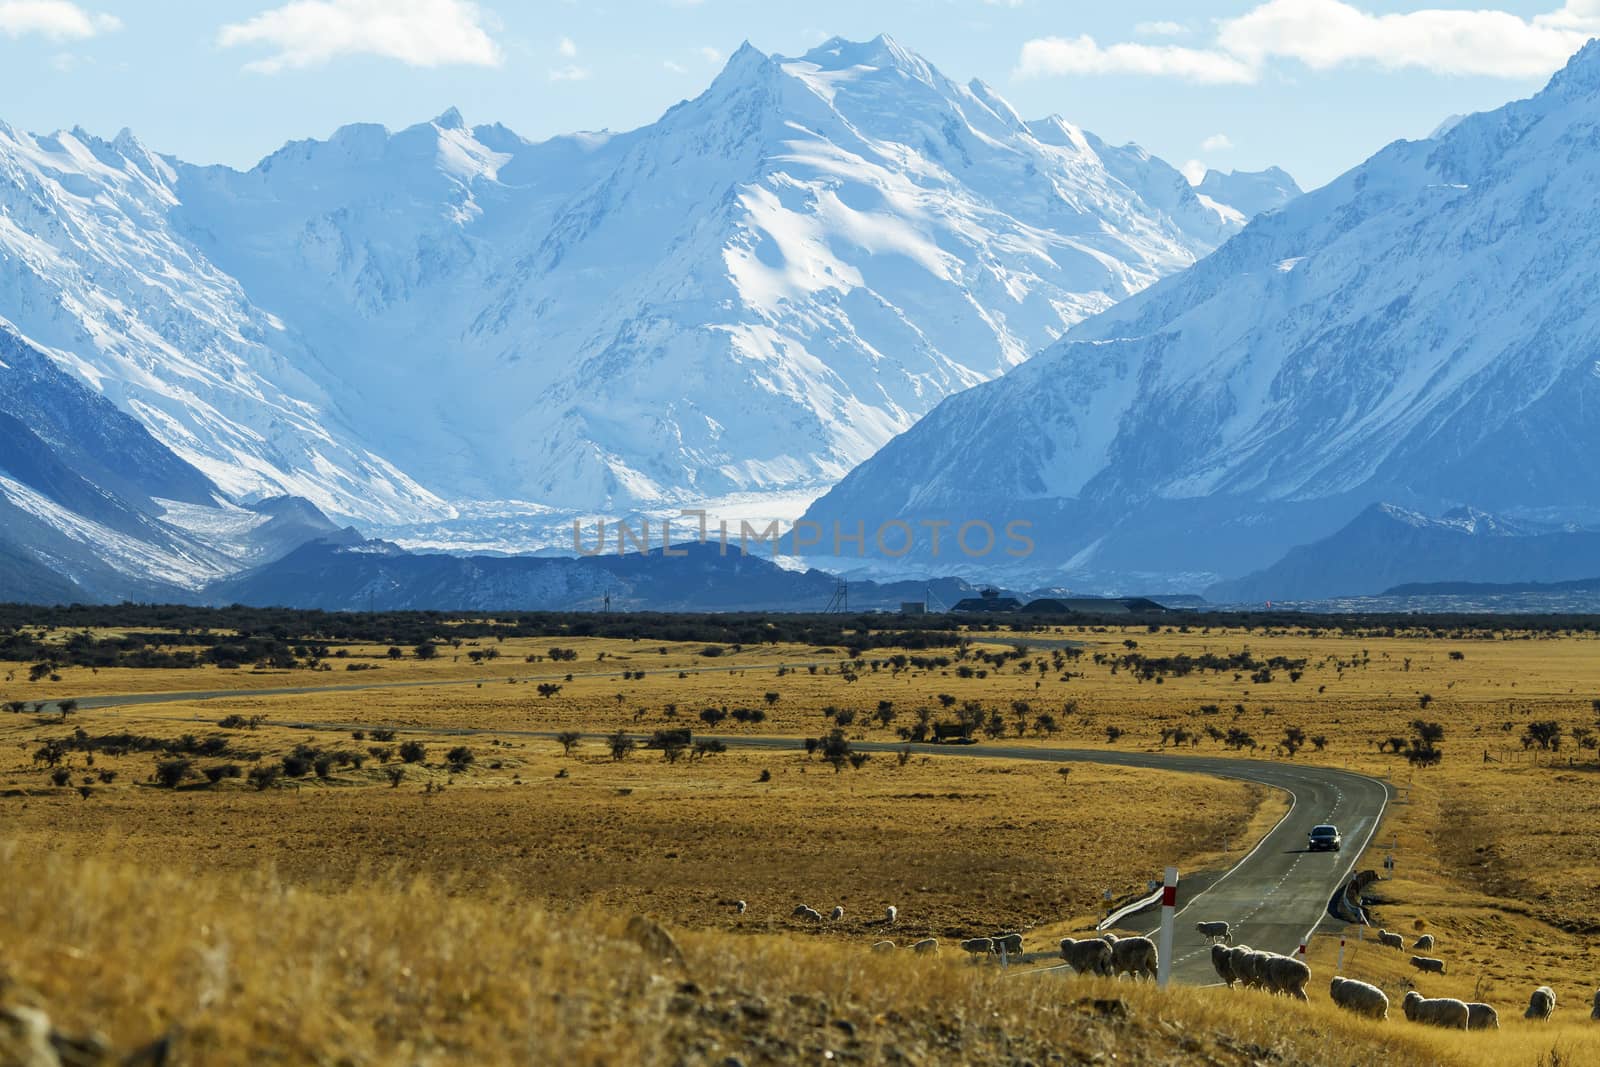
805,258
1581,76
1420,330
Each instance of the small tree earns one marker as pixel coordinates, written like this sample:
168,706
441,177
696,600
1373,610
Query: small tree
568,740
1547,735
395,774
66,707
770,697
1112,734
170,773
459,759
264,776
621,745
548,689
426,650
413,752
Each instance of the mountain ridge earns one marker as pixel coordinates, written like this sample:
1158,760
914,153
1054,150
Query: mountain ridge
1413,332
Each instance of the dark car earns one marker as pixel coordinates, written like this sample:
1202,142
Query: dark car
1325,839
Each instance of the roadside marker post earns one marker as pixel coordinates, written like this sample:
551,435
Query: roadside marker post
1339,968
1169,912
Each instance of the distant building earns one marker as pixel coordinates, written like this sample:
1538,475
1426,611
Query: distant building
990,601
913,607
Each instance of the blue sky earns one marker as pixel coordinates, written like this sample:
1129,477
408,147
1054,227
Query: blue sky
1312,85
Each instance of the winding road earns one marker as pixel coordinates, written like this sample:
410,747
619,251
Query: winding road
1273,898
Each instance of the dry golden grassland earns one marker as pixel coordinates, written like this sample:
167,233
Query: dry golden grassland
1497,859
959,846
248,969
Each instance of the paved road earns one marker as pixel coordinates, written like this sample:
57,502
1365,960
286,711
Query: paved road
1273,898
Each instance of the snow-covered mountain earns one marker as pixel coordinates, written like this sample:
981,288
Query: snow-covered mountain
92,507
1422,331
92,269
1251,192
749,296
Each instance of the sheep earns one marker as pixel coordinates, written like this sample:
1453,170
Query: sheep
978,946
1009,943
810,915
1427,964
1239,963
1359,997
1288,976
1135,956
1391,940
1444,1011
1595,1015
884,946
1541,1005
926,945
1252,970
890,914
1424,943
740,906
1089,956
837,913
1482,1017
1222,963
1213,931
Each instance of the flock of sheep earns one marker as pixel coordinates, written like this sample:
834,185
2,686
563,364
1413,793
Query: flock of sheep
1108,955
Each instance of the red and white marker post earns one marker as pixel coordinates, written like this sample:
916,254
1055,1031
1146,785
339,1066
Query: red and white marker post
1169,911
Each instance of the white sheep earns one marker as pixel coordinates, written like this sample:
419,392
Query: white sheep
1213,931
1423,944
1135,956
808,914
1253,969
926,945
978,946
1239,962
1391,940
1427,964
1089,956
890,914
1010,943
740,906
1222,963
1288,976
1541,1005
1595,1014
1444,1011
837,913
1359,997
883,946
1482,1017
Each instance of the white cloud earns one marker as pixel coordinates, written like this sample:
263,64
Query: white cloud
1326,34
1194,171
568,47
675,68
55,19
711,55
1217,142
419,33
1081,55
1160,29
570,73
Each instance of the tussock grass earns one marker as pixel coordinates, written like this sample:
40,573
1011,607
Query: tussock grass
242,968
